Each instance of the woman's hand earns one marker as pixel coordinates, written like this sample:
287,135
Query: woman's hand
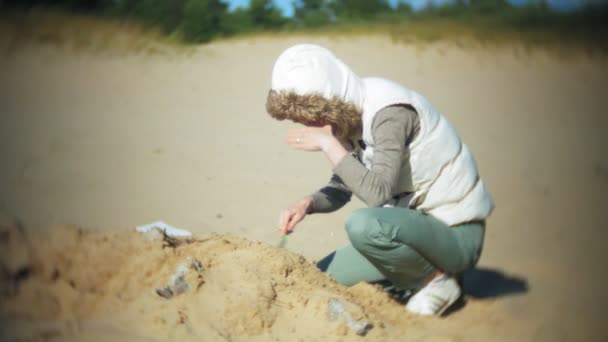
291,216
317,139
310,138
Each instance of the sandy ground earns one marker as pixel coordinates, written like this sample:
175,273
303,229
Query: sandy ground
108,142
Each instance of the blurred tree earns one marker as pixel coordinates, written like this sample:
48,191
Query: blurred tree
236,21
70,4
487,6
311,13
404,8
264,14
358,9
165,14
202,19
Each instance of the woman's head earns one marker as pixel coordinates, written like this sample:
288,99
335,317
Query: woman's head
312,87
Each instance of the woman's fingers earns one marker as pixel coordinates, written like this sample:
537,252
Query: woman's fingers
283,220
302,140
289,218
309,138
294,220
296,137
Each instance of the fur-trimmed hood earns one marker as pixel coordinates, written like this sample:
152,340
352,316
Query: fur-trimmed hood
313,87
311,69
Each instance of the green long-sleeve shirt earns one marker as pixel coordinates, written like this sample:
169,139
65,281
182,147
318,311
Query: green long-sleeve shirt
393,129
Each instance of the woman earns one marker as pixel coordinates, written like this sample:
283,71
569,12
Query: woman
427,205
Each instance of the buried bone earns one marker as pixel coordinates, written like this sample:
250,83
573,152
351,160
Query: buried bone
336,311
178,284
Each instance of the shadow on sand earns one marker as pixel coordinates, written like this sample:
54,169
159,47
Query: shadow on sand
488,283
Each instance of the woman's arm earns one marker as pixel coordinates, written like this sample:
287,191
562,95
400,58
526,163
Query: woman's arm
392,129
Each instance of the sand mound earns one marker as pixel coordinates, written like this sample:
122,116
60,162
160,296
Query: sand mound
69,282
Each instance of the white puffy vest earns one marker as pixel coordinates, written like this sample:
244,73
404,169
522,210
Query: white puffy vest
444,173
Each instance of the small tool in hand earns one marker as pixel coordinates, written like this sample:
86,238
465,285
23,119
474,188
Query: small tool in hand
282,242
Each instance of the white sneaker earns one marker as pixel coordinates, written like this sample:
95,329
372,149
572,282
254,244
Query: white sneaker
433,299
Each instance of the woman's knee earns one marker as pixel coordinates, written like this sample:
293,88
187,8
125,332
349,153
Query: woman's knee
359,225
372,228
368,228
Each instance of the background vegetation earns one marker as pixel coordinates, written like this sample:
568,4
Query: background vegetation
204,20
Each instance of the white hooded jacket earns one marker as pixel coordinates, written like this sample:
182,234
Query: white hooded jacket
443,171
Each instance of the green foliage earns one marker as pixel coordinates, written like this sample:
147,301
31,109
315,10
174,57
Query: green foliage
264,14
485,7
404,8
163,14
358,9
311,13
237,21
204,20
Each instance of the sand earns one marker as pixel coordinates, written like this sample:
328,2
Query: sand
73,283
108,141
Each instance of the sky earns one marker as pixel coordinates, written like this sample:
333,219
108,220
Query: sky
287,7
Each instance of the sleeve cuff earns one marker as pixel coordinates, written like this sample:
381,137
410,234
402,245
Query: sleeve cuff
318,199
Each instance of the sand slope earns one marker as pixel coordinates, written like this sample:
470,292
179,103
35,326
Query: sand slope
71,283
110,141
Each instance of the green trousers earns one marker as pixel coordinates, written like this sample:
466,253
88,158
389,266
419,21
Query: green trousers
402,246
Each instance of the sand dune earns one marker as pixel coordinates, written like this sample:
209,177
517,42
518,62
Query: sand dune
108,142
95,285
